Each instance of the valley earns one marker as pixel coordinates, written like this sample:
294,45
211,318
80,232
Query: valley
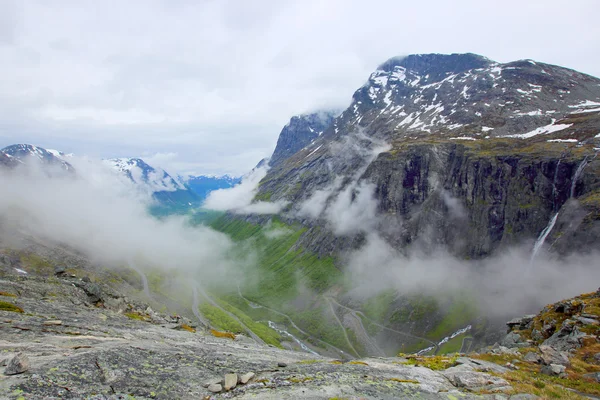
377,253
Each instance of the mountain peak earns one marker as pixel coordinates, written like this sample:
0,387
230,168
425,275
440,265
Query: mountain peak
299,132
24,152
437,64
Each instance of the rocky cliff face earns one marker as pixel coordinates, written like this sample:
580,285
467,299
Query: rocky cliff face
301,131
462,152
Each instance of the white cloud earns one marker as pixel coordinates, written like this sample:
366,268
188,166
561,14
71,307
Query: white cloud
98,214
239,198
216,81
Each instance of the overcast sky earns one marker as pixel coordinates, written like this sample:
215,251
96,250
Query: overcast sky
205,86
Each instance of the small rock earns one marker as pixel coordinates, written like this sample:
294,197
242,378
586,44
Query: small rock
554,370
213,381
215,387
532,358
17,365
230,381
282,364
52,323
587,321
511,366
246,377
597,357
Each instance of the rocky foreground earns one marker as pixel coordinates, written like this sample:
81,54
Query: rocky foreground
64,337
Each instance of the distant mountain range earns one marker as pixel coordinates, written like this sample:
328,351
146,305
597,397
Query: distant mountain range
171,194
22,153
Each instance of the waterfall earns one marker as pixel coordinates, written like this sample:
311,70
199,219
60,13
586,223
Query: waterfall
578,173
544,234
542,238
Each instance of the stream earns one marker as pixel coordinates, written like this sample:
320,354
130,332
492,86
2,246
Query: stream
283,332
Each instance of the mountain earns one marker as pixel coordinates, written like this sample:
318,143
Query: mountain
508,143
172,195
27,153
442,165
300,132
202,185
140,173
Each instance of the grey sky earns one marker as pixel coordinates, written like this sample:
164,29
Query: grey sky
209,84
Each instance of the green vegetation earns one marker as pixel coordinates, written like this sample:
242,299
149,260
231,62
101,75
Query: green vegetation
284,272
6,294
6,306
36,264
377,307
417,307
460,312
453,345
221,319
528,378
435,363
263,331
135,315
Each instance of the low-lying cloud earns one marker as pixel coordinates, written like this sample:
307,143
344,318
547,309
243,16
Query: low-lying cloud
239,199
500,284
98,214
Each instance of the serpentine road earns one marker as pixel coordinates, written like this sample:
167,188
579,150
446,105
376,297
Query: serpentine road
293,324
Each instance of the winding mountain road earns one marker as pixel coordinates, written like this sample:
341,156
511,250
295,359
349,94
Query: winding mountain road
215,304
293,324
342,327
367,338
385,327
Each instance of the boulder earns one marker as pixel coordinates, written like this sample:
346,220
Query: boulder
17,365
52,322
552,356
567,338
532,358
213,381
520,323
587,321
231,381
554,370
462,377
215,387
60,270
513,339
246,377
481,365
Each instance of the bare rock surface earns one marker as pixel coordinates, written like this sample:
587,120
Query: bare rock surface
99,353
